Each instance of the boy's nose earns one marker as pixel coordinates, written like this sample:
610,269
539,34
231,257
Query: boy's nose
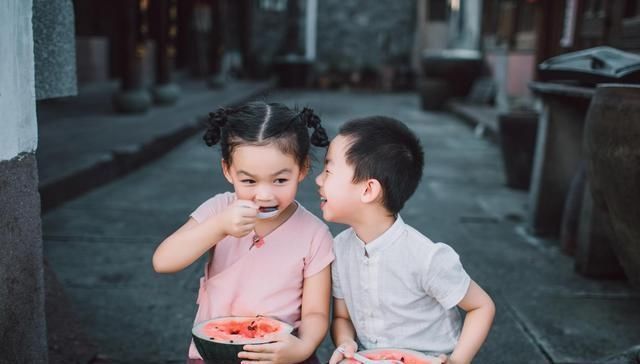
319,178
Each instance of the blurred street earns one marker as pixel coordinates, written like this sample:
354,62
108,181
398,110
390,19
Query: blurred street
100,247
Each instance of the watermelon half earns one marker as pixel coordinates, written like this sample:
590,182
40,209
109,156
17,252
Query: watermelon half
219,340
404,355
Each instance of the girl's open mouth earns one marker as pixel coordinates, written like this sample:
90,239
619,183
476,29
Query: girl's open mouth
268,208
265,212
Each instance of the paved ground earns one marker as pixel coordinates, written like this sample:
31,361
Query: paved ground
100,247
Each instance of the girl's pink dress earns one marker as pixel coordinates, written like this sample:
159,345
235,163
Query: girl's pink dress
243,279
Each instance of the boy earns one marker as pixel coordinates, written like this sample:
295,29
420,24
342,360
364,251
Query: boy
392,286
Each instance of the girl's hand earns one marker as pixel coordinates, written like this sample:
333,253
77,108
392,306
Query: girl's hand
349,347
240,218
285,350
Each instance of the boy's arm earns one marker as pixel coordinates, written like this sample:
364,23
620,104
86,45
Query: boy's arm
342,329
342,332
480,311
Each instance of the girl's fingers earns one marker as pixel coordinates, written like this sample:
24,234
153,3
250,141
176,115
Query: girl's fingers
254,356
262,348
247,203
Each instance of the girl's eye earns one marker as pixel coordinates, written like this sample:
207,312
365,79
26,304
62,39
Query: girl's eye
281,180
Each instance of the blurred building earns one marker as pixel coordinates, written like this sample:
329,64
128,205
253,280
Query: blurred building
517,35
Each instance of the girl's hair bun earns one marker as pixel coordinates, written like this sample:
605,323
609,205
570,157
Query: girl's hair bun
215,122
319,136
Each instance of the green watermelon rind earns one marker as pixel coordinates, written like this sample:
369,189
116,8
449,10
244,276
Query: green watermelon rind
224,352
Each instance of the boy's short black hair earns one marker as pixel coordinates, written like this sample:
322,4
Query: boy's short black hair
385,149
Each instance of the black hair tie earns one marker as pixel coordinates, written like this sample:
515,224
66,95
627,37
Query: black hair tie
319,136
215,121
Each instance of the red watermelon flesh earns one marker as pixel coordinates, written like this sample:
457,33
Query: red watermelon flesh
405,356
241,329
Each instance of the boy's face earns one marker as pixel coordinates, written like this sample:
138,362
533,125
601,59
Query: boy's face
339,196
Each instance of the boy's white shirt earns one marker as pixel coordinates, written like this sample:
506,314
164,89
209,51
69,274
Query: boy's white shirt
401,289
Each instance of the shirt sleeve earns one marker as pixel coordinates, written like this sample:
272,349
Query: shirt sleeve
321,253
212,206
445,279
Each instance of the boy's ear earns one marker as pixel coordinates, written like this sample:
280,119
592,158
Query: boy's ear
372,191
225,170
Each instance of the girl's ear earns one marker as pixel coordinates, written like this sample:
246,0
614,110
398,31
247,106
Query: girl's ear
304,170
372,191
225,170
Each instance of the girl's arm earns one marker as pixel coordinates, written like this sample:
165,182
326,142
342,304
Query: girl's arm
192,239
480,311
314,323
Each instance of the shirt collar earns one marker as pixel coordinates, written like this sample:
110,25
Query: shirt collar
383,241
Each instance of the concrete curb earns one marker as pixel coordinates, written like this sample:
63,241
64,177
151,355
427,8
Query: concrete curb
123,160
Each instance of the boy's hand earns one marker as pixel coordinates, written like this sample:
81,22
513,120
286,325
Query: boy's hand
443,359
286,349
239,218
349,347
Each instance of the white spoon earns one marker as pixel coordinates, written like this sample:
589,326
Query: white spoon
267,214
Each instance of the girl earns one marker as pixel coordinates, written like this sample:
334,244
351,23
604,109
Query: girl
268,255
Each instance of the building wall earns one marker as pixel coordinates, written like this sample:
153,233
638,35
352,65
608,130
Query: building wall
365,33
22,319
268,32
54,48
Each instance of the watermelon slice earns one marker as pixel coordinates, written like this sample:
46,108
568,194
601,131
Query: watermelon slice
219,340
404,355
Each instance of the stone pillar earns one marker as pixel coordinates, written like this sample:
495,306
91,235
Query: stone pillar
133,29
245,16
22,318
54,48
165,91
216,79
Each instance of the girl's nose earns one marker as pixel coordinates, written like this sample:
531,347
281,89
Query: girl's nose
264,194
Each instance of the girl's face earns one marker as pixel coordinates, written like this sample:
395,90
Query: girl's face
264,175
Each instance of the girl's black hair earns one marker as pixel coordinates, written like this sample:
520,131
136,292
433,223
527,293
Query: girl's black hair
260,123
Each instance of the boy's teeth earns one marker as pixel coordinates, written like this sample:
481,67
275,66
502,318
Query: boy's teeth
322,199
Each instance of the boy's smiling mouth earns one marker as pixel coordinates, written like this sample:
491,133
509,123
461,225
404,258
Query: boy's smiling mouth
323,201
